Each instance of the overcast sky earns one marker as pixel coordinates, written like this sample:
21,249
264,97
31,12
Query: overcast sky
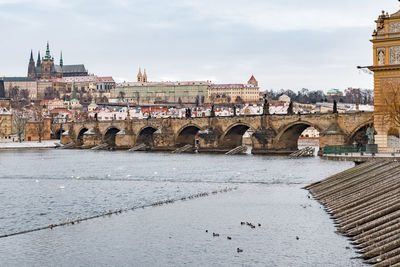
287,44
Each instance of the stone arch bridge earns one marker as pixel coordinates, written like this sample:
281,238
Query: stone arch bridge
271,133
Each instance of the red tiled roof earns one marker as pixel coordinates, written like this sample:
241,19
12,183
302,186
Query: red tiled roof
105,79
252,78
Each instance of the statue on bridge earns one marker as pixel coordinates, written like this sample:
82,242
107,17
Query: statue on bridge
212,113
371,132
266,106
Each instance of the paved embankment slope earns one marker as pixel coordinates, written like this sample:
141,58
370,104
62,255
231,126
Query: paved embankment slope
365,203
31,144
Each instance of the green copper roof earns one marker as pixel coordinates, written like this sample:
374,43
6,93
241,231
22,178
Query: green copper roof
61,60
47,56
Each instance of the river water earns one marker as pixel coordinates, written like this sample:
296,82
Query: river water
42,187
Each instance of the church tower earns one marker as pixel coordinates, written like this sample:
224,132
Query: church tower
31,67
145,76
386,68
140,76
47,64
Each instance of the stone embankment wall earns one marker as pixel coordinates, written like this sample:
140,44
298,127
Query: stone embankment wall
365,204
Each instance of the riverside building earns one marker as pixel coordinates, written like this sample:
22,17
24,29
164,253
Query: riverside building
386,68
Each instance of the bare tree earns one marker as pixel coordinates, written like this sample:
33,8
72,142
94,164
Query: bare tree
18,126
121,96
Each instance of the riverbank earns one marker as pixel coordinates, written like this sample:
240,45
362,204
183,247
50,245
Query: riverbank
364,202
32,144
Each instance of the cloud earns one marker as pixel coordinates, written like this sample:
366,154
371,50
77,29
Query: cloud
285,43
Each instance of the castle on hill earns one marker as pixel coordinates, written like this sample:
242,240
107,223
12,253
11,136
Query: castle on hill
45,69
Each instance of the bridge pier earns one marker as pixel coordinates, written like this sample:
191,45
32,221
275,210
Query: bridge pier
163,140
125,140
92,138
65,138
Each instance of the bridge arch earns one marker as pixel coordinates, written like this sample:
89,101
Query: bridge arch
187,135
110,134
359,134
233,136
79,137
145,136
287,138
57,134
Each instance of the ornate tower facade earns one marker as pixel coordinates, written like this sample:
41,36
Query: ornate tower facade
31,67
47,64
386,68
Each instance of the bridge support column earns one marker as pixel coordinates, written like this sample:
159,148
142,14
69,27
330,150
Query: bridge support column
209,141
163,140
92,138
65,138
68,136
125,140
263,140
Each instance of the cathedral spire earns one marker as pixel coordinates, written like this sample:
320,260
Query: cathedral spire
47,56
38,62
61,60
31,67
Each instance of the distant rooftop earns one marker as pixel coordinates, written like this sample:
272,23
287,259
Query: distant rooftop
229,85
17,79
163,83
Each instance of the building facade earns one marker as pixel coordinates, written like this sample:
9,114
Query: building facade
230,93
161,92
5,124
38,130
386,68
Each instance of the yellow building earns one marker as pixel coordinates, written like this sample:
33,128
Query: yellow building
230,93
5,124
386,68
22,83
38,129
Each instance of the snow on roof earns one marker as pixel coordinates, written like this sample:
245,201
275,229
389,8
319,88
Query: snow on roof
231,85
162,83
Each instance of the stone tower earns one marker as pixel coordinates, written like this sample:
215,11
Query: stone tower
386,68
47,64
31,67
140,76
